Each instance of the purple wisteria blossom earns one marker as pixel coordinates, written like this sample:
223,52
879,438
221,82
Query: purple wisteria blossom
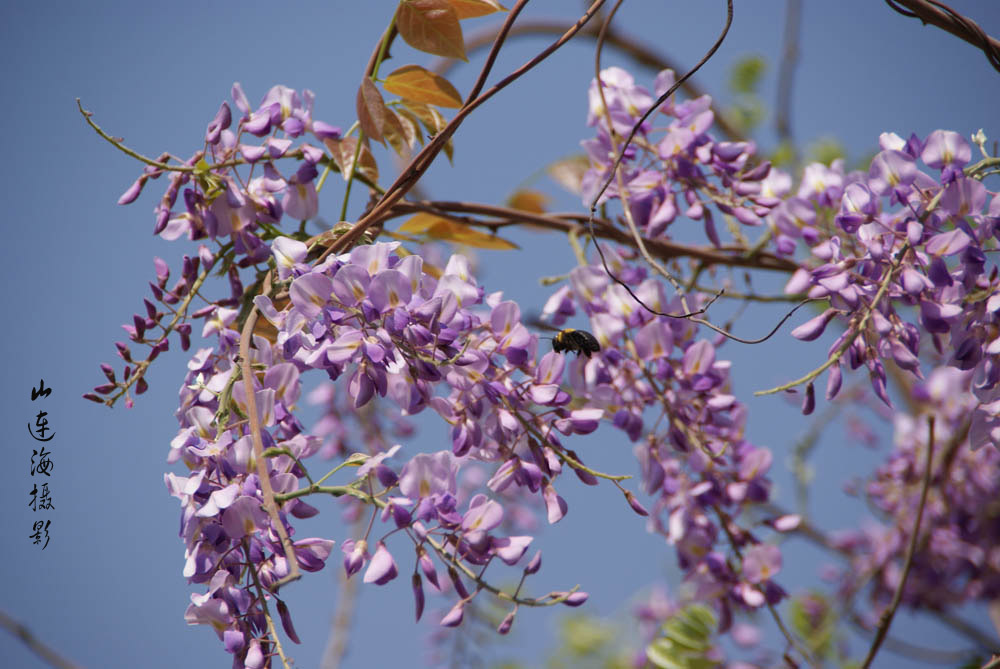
898,256
690,170
393,335
960,559
916,260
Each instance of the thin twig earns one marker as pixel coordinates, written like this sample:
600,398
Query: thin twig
915,651
120,145
263,605
818,538
663,98
793,642
371,71
22,632
853,332
643,54
419,164
571,222
270,505
622,191
614,174
498,40
550,599
970,631
911,549
180,313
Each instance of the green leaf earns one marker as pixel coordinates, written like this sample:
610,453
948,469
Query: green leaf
686,636
661,654
685,640
745,114
783,155
811,616
746,74
825,150
585,636
701,615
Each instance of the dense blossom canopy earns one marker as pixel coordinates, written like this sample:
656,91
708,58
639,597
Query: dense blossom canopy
898,258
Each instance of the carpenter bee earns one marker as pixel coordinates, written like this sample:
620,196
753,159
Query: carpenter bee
578,341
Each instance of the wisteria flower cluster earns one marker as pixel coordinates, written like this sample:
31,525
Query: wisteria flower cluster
677,170
220,205
391,331
898,254
959,537
897,242
668,392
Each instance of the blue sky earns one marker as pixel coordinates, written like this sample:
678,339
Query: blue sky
108,590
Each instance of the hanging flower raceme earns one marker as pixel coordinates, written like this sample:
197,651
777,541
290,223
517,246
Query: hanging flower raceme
671,171
958,559
667,391
386,332
905,254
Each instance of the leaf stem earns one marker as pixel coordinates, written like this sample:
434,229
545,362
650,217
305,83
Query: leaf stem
374,66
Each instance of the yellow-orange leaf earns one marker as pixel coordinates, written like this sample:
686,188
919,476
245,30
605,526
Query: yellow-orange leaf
470,9
460,234
421,222
415,83
442,229
430,117
432,120
411,125
436,227
449,150
569,172
532,201
431,26
396,135
482,240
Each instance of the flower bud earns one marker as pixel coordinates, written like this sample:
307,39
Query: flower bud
418,596
505,624
814,327
634,503
454,617
130,196
535,564
809,401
